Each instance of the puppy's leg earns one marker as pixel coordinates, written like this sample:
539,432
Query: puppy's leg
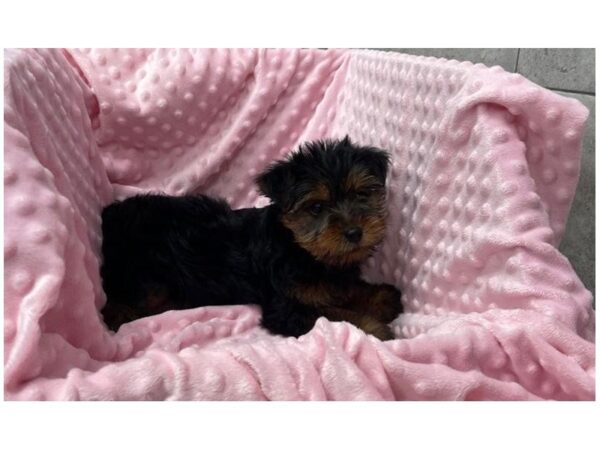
338,304
288,317
368,324
381,301
116,314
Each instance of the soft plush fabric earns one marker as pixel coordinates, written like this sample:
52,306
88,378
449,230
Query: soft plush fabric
485,166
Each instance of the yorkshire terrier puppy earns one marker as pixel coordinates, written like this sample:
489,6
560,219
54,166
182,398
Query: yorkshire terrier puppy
297,258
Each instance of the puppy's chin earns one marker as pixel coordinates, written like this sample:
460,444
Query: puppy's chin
339,255
356,256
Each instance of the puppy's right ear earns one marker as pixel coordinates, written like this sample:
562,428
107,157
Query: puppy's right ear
276,182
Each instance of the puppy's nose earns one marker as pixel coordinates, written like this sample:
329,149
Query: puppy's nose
353,234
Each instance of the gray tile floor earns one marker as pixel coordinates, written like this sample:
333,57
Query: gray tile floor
569,72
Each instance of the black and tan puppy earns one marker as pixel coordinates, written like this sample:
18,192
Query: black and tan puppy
297,258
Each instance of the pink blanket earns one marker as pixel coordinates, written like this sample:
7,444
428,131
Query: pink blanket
485,165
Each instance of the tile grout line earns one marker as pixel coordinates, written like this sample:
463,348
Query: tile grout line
572,91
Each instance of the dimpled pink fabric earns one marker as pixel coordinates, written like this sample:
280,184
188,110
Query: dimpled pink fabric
485,166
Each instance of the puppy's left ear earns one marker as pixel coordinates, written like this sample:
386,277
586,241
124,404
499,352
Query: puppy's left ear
276,182
378,162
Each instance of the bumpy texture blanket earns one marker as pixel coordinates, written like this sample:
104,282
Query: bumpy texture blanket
485,166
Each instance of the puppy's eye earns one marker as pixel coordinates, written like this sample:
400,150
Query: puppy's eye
365,194
315,208
368,192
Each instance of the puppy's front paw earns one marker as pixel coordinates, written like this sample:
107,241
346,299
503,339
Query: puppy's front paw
378,329
387,303
116,315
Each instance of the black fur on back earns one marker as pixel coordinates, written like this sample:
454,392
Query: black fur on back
204,253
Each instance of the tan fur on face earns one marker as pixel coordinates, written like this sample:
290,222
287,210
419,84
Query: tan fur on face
332,248
358,180
320,193
329,244
297,220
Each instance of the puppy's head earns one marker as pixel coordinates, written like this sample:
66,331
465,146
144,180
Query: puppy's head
332,198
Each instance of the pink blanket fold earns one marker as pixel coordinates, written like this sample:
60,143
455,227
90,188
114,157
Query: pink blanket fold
485,166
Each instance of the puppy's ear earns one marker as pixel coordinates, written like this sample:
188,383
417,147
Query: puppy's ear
276,182
378,162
